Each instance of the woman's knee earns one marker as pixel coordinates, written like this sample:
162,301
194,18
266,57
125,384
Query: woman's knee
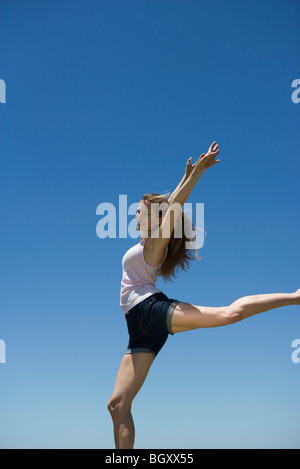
118,406
231,315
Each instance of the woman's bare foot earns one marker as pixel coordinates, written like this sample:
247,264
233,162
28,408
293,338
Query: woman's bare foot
297,297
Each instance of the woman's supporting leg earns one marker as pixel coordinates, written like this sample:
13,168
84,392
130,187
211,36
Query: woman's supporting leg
131,376
187,316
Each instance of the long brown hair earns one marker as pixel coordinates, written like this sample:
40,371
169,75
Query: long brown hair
178,256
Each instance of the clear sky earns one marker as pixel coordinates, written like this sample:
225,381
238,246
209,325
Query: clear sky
110,97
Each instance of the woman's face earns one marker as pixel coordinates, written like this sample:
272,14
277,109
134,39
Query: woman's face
143,218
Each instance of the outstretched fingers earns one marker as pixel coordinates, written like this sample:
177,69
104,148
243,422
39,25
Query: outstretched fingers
213,147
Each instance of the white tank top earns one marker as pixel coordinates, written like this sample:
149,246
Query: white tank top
138,278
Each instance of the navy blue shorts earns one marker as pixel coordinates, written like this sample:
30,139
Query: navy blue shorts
149,323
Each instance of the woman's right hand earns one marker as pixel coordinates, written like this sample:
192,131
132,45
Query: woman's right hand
207,160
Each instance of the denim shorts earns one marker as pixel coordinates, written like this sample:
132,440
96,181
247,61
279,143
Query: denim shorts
149,323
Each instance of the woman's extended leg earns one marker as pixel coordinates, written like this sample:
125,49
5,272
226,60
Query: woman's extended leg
187,316
131,376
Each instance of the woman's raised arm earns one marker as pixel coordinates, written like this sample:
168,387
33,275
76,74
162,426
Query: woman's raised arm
193,174
188,171
177,199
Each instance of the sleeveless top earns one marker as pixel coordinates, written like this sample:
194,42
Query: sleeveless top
138,278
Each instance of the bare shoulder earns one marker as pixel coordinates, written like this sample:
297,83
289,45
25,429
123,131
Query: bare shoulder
154,251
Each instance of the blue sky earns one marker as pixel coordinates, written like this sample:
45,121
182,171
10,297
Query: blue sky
110,97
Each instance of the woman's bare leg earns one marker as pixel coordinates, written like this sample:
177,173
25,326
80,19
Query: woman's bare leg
131,376
187,316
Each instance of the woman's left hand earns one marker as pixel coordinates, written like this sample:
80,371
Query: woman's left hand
189,168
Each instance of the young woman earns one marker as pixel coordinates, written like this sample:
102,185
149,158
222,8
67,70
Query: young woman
151,316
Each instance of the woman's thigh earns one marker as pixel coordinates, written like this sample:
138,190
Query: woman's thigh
187,316
132,373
